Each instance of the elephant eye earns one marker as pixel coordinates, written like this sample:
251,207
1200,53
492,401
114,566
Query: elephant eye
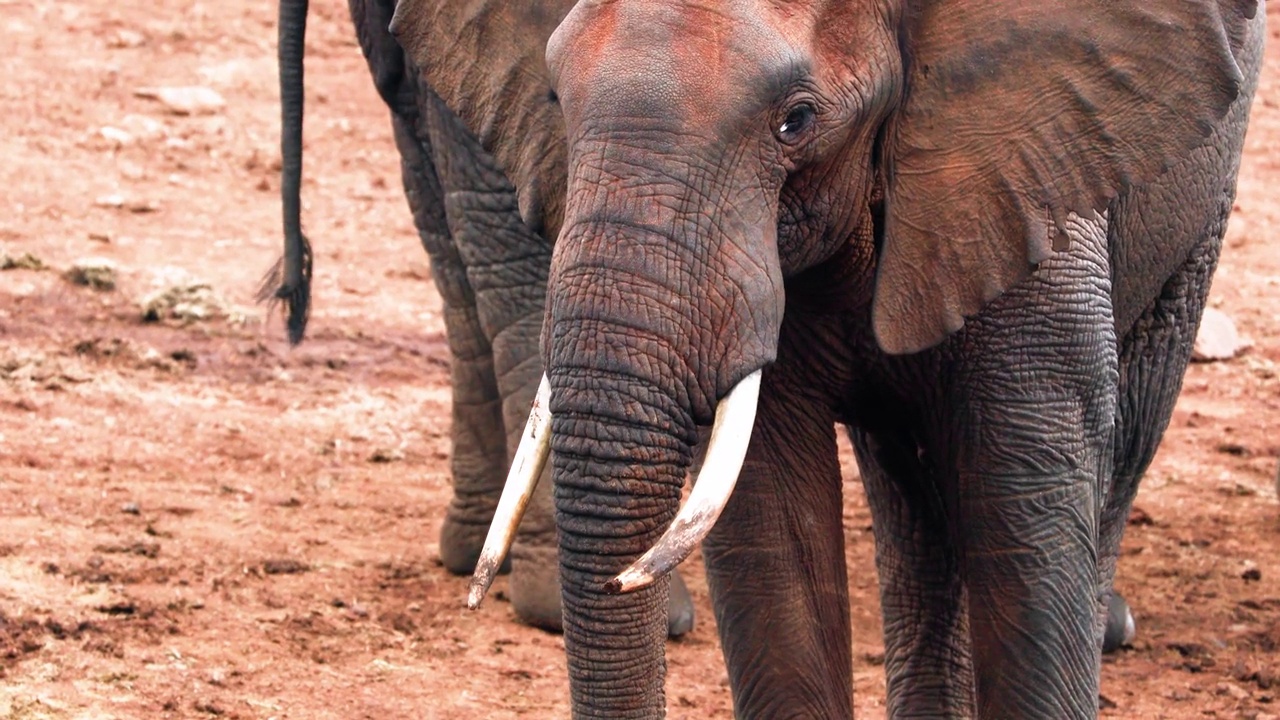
799,119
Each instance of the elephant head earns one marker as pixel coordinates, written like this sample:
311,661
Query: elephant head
716,149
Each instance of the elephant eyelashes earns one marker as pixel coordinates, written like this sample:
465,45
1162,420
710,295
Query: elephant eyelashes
796,124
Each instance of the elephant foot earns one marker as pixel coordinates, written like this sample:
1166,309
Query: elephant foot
535,594
680,611
460,545
1121,629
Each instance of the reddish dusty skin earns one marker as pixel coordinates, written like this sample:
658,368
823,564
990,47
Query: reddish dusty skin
252,461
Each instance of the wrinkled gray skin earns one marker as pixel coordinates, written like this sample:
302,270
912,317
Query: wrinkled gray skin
491,271
978,234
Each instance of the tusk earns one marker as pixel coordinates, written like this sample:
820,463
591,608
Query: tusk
726,450
531,456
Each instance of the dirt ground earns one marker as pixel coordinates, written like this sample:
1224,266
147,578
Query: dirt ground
197,521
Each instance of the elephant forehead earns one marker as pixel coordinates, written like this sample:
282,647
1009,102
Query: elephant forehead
659,59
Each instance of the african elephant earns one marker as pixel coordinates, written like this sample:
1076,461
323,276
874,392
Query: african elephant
490,269
480,309
978,234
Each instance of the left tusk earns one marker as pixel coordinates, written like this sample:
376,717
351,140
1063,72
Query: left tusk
726,451
531,456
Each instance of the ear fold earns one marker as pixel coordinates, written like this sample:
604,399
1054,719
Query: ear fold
487,63
1017,113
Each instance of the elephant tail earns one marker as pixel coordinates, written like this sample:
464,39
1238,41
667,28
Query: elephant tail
289,280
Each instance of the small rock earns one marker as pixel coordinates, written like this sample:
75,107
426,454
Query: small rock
142,127
1235,691
97,273
386,455
115,135
25,261
125,38
1217,338
1252,574
284,566
143,549
191,301
189,100
124,607
131,508
1138,516
100,237
217,677
116,201
208,706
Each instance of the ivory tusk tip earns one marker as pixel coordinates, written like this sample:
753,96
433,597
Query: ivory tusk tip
475,595
628,580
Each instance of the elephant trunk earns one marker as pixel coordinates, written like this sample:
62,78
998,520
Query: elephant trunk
290,279
621,449
663,298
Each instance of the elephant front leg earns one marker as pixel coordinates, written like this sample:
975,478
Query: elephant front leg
1032,404
1031,571
928,669
776,568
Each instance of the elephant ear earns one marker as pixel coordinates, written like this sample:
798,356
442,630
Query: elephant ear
486,60
1017,113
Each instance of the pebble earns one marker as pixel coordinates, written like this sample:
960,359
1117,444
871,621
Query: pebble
189,100
97,273
1217,338
131,508
115,135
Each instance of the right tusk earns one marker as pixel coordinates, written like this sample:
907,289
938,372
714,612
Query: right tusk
726,451
531,456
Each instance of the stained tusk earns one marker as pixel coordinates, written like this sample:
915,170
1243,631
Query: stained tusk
726,450
531,456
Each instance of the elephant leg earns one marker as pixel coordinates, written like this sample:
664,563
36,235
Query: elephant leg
926,631
1187,209
1031,397
1153,359
776,568
479,450
507,265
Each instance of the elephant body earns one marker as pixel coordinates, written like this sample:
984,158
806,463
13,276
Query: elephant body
978,235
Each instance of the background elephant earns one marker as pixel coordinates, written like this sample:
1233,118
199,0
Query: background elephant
980,235
490,269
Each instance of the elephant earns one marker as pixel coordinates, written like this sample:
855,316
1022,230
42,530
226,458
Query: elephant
490,269
977,235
